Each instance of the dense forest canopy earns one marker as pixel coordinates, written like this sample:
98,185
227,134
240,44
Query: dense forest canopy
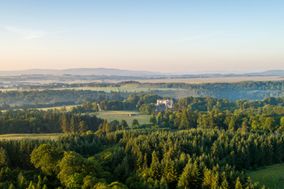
202,142
196,158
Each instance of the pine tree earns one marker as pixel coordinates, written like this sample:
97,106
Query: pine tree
189,176
207,178
65,124
82,127
135,123
169,171
145,162
238,184
184,122
163,184
3,158
39,182
11,186
232,124
244,127
155,168
73,125
21,180
153,119
268,123
210,179
31,185
224,183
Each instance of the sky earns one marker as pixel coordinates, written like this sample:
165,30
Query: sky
154,35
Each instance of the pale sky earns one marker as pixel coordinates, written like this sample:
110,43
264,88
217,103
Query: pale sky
153,35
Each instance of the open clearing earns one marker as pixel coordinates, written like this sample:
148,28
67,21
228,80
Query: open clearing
270,176
48,136
65,108
128,116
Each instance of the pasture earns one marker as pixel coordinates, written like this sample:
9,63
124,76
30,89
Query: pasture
128,116
60,108
31,136
270,176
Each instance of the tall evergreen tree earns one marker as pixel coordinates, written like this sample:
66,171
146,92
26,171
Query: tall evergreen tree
155,167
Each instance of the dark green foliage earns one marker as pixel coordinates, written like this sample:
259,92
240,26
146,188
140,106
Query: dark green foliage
49,98
209,113
35,121
46,158
199,144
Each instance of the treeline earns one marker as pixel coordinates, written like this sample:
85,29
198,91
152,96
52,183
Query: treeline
191,112
145,103
142,102
48,98
250,90
35,121
266,115
134,159
209,103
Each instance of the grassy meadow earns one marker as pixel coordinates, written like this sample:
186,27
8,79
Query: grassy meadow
128,116
66,108
270,176
31,136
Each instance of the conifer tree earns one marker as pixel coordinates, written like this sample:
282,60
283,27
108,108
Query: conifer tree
155,168
189,177
65,124
184,122
238,184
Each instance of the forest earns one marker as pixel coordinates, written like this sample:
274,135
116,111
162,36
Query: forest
203,142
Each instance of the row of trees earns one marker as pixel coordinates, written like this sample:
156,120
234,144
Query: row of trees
35,121
141,102
48,98
250,90
267,115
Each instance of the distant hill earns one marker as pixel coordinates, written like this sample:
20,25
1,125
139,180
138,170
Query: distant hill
271,73
130,73
81,71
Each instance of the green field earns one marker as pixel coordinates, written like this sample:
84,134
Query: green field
270,176
66,108
46,136
124,115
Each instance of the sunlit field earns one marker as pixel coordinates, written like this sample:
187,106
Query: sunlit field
65,108
46,136
271,176
128,116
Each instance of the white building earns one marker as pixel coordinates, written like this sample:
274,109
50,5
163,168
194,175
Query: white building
168,103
